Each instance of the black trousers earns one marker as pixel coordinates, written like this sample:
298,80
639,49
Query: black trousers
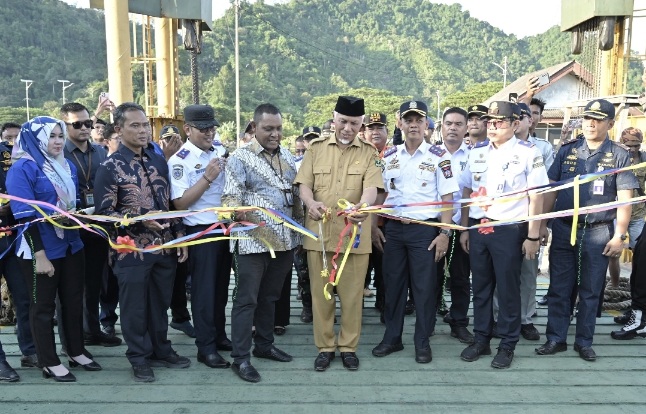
303,274
67,282
210,269
408,256
283,308
376,263
179,303
460,271
109,299
637,275
10,269
145,291
496,259
259,281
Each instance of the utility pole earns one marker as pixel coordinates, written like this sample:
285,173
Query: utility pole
438,105
504,71
65,87
28,83
237,63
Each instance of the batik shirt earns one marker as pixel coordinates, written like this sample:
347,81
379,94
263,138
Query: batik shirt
255,177
134,184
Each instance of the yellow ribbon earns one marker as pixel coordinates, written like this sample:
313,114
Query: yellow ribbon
575,215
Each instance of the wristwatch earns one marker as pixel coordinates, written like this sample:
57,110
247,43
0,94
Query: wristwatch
623,237
447,232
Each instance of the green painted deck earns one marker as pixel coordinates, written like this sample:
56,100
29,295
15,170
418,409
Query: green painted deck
616,382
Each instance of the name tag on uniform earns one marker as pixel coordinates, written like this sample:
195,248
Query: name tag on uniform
597,187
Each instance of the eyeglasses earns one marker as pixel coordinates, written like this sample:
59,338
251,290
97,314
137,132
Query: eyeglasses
80,124
498,123
205,130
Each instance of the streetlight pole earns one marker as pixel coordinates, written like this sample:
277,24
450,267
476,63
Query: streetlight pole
28,83
438,104
65,87
504,71
237,63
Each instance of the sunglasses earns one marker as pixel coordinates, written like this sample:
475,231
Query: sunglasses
80,124
205,130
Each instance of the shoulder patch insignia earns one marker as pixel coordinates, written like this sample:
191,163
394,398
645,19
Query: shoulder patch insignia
178,171
6,155
390,151
525,143
482,144
183,153
570,141
437,150
620,145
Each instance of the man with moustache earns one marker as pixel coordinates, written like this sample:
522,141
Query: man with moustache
87,157
454,128
339,167
197,181
261,174
597,237
476,126
376,133
416,171
501,164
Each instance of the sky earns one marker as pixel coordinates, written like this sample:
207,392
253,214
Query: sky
541,15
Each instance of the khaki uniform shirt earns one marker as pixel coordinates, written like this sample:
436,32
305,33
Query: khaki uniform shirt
333,174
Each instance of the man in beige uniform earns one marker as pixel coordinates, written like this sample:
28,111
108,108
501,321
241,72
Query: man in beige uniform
339,167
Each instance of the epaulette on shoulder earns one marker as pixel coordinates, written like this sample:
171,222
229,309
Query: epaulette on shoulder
482,143
390,151
525,143
183,153
620,145
217,143
570,141
317,140
437,150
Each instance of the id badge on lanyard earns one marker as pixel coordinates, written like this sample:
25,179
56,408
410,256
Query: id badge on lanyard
598,185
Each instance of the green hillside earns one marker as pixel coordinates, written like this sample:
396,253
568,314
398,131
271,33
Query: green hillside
290,54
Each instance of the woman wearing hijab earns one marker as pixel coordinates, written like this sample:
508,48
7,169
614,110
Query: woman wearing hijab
51,258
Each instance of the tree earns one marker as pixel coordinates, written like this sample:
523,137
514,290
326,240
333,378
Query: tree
474,94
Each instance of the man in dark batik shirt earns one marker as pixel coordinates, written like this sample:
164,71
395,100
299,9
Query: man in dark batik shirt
134,181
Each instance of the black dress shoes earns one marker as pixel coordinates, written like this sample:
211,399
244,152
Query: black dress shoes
551,348
585,352
171,361
69,377
410,307
143,373
102,339
473,351
272,353
7,373
530,332
503,358
322,361
92,366
423,355
246,371
214,360
279,330
306,314
224,345
350,361
462,334
29,361
383,349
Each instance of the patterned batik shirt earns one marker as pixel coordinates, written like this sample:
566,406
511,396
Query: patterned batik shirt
134,184
255,177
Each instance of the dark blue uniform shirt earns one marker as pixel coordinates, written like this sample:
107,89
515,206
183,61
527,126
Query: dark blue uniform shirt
575,158
86,164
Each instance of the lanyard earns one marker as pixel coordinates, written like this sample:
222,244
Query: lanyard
86,174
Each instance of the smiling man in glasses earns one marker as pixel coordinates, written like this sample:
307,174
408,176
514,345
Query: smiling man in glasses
496,166
86,157
597,237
